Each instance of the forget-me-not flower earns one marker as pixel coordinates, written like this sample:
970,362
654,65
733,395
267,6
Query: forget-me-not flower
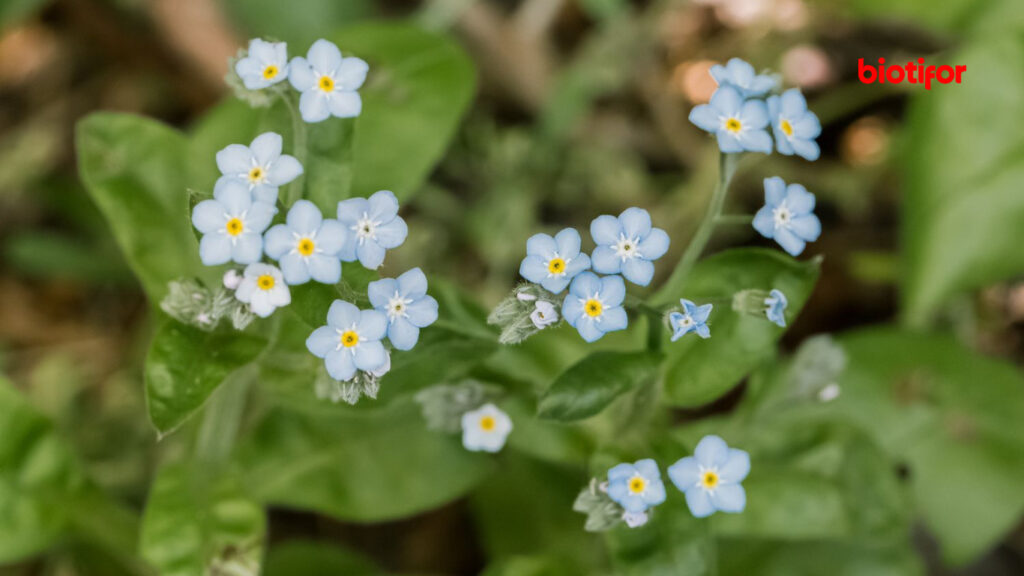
263,289
711,477
593,305
795,126
265,64
787,215
775,307
544,314
628,245
693,318
232,226
307,246
350,341
485,429
376,227
636,487
553,262
739,124
741,75
260,166
405,302
328,82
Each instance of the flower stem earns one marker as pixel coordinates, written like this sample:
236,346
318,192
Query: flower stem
735,219
712,548
294,191
222,419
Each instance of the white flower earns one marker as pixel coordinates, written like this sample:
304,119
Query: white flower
266,64
328,82
544,314
232,279
485,429
829,393
260,166
263,289
635,519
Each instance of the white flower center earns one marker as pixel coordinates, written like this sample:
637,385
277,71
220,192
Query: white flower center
398,307
626,248
783,217
365,229
686,322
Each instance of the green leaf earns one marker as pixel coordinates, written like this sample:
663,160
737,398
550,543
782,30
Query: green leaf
195,525
698,371
591,384
185,365
742,557
305,558
963,172
271,19
946,16
134,168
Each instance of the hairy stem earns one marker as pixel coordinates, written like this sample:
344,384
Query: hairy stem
294,191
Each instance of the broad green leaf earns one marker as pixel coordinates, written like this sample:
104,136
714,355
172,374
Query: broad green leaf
196,525
185,365
282,21
532,566
591,384
356,465
134,168
312,300
307,558
766,558
698,371
963,205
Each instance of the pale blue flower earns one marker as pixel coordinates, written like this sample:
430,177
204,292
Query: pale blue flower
553,262
375,225
594,305
263,289
265,64
636,487
485,429
795,127
350,341
741,76
544,314
787,215
775,307
627,245
328,82
405,302
307,246
711,477
693,318
232,226
260,166
739,125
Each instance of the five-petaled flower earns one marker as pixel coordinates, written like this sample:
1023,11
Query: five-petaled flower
787,215
232,226
636,487
594,305
260,166
795,127
263,289
739,124
553,262
775,307
741,75
376,227
711,477
307,246
328,82
544,314
628,245
485,429
693,318
265,64
405,302
350,341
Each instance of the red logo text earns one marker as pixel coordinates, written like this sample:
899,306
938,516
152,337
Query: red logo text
915,73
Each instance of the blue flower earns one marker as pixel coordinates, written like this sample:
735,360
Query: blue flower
406,304
553,262
260,166
741,75
637,486
485,429
711,477
232,226
693,318
787,215
376,227
263,289
627,245
775,307
740,125
795,126
594,305
307,246
328,82
265,64
350,341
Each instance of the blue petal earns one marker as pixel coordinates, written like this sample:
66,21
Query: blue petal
370,356
572,309
248,248
340,364
294,269
613,290
711,451
304,217
342,315
699,502
618,491
259,217
300,74
638,271
422,312
284,170
685,473
740,72
381,291
655,493
412,284
392,234
605,230
636,222
352,73
789,241
807,227
585,285
807,149
774,191
345,104
706,118
736,467
314,106
533,269
701,313
266,147
579,263
234,159
324,56
799,200
621,472
729,498
613,319
371,254
793,104
235,197
332,237
214,249
324,269
555,284
402,334
754,115
648,468
783,143
373,325
542,246
567,242
728,142
655,245
688,306
208,216
702,330
727,101
756,141
605,261
351,211
633,503
322,340
807,126
382,206
588,329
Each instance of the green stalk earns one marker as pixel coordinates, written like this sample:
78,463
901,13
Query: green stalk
712,548
299,150
222,419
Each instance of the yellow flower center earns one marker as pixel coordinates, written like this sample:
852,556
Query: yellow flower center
637,485
265,282
349,338
487,423
593,307
786,127
556,266
733,125
709,480
234,226
256,174
270,72
326,83
306,246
